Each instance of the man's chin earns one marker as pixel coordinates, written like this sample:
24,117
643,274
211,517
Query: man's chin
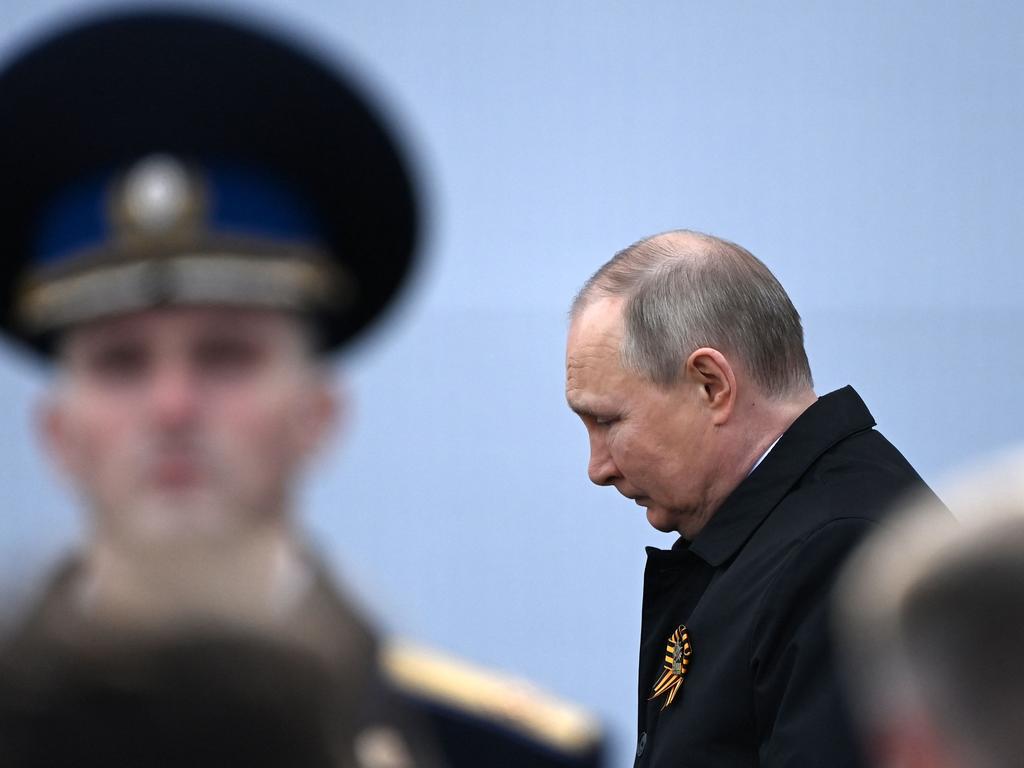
168,518
663,520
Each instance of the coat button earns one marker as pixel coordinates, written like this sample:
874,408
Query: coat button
641,744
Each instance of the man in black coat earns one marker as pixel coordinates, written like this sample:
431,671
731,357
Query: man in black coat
686,364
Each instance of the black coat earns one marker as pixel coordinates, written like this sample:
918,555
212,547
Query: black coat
760,685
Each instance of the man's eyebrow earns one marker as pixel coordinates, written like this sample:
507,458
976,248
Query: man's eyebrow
580,409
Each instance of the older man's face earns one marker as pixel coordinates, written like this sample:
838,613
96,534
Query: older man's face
186,420
650,443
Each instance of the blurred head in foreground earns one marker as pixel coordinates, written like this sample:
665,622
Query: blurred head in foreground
931,611
207,699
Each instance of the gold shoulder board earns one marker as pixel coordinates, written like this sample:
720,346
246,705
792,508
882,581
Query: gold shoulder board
490,695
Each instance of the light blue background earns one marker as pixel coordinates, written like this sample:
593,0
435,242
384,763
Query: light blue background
869,152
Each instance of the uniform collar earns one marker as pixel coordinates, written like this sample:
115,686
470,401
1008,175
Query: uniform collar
831,419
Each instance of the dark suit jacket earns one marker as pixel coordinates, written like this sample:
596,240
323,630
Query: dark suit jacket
752,589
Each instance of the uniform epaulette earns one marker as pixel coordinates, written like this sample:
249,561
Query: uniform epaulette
505,700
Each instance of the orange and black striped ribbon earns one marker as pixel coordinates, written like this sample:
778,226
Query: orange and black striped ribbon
677,661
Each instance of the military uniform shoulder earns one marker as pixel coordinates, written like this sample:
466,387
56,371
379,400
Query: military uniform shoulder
477,712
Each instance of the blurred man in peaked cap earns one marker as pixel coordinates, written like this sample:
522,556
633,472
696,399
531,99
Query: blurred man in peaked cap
197,213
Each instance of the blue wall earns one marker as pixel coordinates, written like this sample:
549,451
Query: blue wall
869,152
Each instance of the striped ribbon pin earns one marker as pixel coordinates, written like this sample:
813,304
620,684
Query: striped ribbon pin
677,662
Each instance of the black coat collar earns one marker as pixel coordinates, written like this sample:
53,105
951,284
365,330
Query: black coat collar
833,418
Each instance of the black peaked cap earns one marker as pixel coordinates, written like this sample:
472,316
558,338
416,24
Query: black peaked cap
105,91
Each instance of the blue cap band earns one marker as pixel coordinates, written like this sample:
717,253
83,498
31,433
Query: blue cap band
238,202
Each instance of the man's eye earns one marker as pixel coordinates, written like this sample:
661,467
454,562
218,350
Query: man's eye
118,363
228,356
605,421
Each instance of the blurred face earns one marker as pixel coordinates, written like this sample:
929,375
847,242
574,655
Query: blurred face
652,444
187,420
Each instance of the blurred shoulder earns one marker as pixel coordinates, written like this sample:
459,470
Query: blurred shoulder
479,713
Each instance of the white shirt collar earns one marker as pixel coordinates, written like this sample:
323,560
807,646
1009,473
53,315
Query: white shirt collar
756,463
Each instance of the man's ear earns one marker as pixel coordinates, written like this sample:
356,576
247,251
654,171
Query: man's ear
52,432
323,413
716,381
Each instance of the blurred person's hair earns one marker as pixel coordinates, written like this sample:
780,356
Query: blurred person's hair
931,615
685,290
206,699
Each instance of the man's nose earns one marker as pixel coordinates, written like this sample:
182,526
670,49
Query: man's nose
602,469
174,395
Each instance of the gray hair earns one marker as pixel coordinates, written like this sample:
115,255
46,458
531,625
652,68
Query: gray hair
931,615
686,290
